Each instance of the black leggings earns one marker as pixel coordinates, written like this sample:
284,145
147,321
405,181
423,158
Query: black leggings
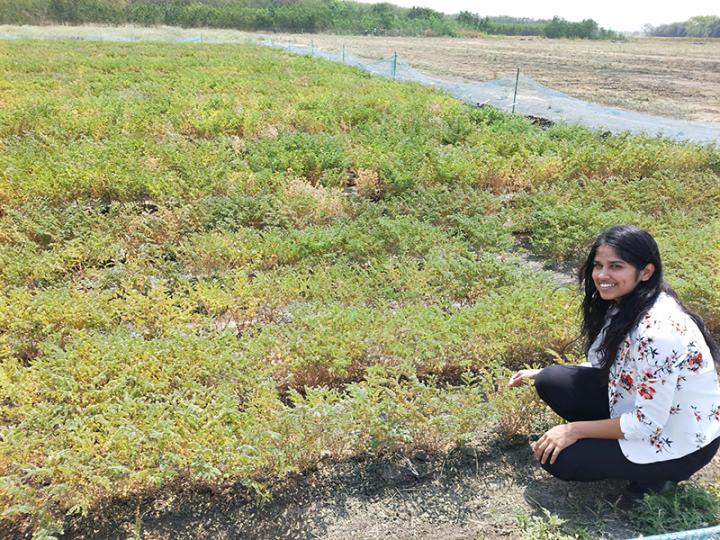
580,393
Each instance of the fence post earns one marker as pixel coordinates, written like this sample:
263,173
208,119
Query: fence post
343,54
517,78
394,65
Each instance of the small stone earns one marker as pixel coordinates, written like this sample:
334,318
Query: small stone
420,455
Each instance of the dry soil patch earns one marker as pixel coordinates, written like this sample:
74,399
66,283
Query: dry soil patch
474,492
677,78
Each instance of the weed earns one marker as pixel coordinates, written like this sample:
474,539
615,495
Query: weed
549,527
685,507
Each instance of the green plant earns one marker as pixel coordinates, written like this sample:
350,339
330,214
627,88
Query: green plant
685,507
549,526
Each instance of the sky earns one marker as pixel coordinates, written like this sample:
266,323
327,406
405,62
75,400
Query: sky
621,15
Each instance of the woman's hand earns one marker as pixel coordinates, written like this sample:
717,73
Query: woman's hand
519,376
553,442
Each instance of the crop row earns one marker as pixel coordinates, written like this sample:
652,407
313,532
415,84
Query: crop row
143,121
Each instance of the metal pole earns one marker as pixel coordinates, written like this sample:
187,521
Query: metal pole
517,78
312,49
394,65
343,54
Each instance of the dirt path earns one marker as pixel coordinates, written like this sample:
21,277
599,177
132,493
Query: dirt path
482,491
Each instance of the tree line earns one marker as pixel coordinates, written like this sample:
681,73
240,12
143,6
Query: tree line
335,16
698,27
555,28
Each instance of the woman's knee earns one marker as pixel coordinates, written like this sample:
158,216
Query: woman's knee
570,466
560,472
546,382
588,460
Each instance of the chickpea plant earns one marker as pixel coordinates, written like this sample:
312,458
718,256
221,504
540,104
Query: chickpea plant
222,264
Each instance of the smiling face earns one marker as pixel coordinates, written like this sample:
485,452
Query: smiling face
613,277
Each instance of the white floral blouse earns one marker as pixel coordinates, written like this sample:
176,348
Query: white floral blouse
664,387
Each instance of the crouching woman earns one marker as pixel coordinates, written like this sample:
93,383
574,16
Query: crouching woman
647,407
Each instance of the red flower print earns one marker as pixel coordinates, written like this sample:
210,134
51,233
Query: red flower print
626,381
695,362
646,391
659,442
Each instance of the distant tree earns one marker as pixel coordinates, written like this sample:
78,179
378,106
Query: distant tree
700,27
24,12
340,16
64,11
424,13
587,29
715,28
382,7
473,21
556,28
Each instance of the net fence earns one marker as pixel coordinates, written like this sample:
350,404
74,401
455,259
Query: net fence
531,99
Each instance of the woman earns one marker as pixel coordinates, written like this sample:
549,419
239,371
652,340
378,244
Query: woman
647,408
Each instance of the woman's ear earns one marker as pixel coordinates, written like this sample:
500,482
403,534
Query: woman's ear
647,272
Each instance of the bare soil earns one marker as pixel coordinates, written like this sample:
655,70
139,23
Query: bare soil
479,491
676,78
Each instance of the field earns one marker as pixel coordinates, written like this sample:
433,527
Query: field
222,266
676,78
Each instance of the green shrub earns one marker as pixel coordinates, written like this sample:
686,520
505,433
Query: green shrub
684,508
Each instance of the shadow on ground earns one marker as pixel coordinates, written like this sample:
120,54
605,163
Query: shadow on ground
474,492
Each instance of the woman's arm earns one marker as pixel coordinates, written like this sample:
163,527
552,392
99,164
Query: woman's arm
598,429
658,357
556,439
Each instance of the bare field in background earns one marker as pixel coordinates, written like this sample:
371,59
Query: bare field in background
677,78
666,77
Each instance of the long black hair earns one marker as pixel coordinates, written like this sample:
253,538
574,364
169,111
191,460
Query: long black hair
638,248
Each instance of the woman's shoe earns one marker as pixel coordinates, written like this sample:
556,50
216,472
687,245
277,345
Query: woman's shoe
637,490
